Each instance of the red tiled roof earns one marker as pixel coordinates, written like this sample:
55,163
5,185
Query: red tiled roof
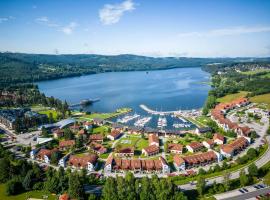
126,150
153,138
195,159
236,144
66,143
175,147
195,145
115,133
151,149
96,137
218,136
82,161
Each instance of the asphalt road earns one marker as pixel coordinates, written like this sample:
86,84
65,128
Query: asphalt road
236,195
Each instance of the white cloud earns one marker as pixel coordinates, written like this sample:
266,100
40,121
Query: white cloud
46,21
69,28
5,19
112,13
227,31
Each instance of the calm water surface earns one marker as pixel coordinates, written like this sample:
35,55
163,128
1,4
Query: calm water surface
160,90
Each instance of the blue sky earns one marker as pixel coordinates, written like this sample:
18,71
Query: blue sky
193,28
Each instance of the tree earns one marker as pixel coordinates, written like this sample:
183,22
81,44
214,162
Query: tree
243,178
252,153
79,141
68,134
44,132
14,186
108,192
4,170
266,179
253,170
201,185
201,171
226,180
55,157
75,186
51,120
28,180
92,197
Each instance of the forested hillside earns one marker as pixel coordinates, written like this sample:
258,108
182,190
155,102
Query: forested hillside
21,68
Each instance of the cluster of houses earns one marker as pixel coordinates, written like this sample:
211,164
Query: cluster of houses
159,165
219,112
153,148
8,117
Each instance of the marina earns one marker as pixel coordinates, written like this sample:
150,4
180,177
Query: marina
128,118
142,122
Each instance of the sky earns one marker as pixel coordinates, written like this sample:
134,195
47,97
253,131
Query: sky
181,28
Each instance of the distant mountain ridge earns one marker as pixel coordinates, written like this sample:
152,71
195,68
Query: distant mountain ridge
22,67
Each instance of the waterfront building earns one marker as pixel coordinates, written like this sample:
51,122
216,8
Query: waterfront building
194,147
150,150
153,139
87,161
114,135
175,148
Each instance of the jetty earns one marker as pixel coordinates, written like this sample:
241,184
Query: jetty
153,112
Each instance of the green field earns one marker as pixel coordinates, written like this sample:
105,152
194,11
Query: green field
26,195
101,129
255,71
264,98
231,97
105,115
133,141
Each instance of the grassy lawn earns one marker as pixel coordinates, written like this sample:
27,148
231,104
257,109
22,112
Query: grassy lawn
47,112
133,141
203,120
196,122
101,129
26,195
254,72
105,115
231,97
264,98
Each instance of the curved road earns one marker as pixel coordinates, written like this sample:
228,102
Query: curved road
234,175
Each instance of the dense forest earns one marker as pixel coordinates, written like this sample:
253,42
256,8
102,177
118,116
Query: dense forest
20,68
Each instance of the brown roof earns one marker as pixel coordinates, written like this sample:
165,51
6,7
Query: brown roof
46,152
115,133
175,147
98,147
151,149
178,160
195,145
109,160
82,161
96,137
235,145
195,159
126,150
210,142
218,136
153,138
66,143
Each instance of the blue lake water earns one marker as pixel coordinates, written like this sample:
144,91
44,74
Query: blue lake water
163,90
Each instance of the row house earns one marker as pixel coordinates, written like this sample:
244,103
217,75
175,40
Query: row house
136,165
234,147
153,139
150,150
209,144
87,161
97,148
45,155
218,138
175,148
118,127
63,161
243,131
134,130
203,130
114,135
182,163
98,122
194,147
125,152
96,138
66,144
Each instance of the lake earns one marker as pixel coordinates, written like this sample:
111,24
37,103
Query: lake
174,89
